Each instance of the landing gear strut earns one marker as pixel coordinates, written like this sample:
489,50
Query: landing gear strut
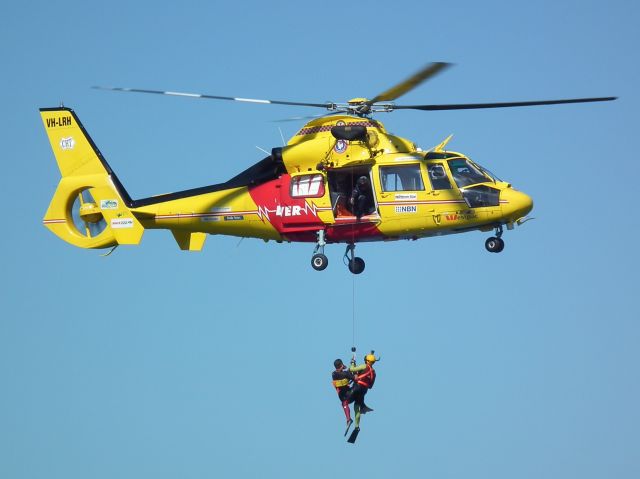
495,244
319,261
354,263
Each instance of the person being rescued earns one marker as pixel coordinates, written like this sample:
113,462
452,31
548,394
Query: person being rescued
341,380
363,380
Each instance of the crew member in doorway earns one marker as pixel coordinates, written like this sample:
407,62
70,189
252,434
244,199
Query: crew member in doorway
359,200
341,379
363,380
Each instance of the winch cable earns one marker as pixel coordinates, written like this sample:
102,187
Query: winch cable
353,319
353,280
353,311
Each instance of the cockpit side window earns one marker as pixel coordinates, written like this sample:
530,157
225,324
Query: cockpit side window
401,178
438,177
465,173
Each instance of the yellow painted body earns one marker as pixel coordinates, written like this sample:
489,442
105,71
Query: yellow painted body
191,216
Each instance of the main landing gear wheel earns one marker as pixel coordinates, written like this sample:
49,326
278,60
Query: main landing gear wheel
319,261
356,265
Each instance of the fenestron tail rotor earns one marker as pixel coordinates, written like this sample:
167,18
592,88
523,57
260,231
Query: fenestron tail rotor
382,102
86,215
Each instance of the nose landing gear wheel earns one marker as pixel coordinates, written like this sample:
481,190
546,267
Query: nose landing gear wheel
494,245
356,265
319,262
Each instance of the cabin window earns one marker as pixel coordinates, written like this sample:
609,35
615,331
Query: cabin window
438,177
307,186
401,178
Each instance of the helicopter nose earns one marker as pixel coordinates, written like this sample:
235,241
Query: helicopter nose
515,204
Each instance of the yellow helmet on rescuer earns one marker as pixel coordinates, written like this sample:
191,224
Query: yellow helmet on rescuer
370,358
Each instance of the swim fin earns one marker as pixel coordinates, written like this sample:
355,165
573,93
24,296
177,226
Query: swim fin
348,426
354,435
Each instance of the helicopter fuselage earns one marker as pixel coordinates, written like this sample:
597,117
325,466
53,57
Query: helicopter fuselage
412,193
301,192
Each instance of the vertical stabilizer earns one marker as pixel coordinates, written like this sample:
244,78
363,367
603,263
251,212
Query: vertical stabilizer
90,207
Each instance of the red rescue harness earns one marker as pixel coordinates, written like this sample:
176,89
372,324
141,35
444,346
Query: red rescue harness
367,378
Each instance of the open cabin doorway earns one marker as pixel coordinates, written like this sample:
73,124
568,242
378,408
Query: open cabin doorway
342,183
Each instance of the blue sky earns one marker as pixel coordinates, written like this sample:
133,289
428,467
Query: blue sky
159,363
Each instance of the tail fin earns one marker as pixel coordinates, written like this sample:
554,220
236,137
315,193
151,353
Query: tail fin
90,207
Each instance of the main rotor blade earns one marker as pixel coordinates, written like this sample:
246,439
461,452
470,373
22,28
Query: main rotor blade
410,83
474,106
215,97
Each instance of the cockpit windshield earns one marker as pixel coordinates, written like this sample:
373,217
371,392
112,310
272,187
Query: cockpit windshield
488,173
465,173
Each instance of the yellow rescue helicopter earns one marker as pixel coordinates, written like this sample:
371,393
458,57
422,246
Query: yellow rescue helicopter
340,179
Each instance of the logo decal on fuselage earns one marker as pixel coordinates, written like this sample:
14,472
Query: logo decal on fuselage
108,204
341,146
67,143
407,209
287,211
462,216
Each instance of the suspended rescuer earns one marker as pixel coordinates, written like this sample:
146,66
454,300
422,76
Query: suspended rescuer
363,380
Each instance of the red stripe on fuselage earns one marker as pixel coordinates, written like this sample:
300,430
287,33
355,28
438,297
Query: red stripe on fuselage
297,219
349,233
285,213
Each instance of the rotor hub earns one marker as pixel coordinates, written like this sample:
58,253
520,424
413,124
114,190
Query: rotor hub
90,213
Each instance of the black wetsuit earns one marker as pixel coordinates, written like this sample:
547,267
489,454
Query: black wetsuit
339,375
341,379
360,200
